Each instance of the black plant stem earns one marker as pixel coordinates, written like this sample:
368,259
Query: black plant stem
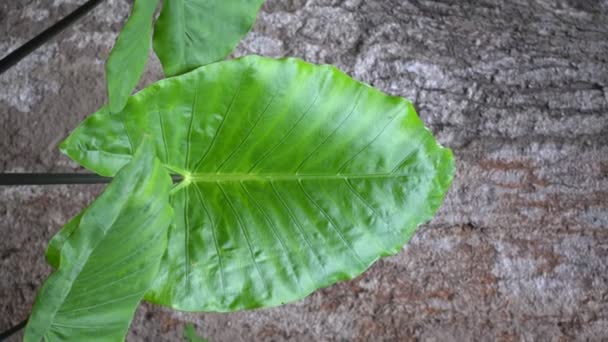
58,178
12,330
46,35
51,178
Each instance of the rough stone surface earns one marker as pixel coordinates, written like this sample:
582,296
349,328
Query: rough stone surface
518,89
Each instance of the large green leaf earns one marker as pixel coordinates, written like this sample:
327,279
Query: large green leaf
191,33
295,177
108,259
127,61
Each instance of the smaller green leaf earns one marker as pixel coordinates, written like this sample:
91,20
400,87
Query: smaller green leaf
106,258
190,334
126,62
193,33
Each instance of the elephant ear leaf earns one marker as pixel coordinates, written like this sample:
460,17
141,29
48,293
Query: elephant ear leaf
295,176
108,258
192,33
128,57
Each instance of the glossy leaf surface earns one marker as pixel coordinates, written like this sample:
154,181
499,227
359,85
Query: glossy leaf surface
107,259
128,57
296,176
192,33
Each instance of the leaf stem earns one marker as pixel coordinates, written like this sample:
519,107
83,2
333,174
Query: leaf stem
12,330
58,178
27,48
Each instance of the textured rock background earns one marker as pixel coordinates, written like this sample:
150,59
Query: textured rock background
518,89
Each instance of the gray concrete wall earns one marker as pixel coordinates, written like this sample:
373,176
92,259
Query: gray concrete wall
518,89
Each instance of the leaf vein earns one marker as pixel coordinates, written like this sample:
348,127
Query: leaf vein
237,177
163,137
72,326
141,293
409,155
128,257
368,205
215,243
246,136
246,236
124,126
85,293
331,223
273,228
192,115
333,132
367,145
284,138
186,240
298,225
217,132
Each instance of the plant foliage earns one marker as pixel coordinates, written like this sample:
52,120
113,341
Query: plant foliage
97,286
191,33
295,176
187,35
127,60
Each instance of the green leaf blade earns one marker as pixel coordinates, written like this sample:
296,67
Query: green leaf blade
193,33
106,258
296,176
128,57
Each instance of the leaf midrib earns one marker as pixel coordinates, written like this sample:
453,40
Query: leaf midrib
239,177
